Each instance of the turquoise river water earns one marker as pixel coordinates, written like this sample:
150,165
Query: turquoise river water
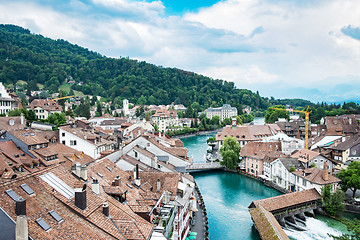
228,195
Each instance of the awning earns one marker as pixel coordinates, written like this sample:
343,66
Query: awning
265,177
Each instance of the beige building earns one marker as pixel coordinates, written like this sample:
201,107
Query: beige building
44,107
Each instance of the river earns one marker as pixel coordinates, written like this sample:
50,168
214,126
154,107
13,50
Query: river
228,195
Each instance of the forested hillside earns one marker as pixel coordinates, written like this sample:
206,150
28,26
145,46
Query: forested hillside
36,59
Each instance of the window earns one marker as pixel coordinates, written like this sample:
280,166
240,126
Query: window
63,134
63,142
72,142
136,154
304,182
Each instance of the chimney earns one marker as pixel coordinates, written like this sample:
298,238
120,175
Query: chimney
95,186
117,181
137,177
21,229
106,209
158,185
20,207
325,173
80,197
22,118
77,168
83,172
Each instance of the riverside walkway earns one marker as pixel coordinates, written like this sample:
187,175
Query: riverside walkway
204,166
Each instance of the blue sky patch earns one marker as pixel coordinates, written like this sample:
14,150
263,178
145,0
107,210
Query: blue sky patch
353,32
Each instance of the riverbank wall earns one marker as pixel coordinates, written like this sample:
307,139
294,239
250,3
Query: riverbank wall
265,182
205,221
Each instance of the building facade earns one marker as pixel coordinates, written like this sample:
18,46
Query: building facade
226,111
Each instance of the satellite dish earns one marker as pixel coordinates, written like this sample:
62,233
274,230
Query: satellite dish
11,122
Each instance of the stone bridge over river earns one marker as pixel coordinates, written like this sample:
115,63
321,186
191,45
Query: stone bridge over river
195,167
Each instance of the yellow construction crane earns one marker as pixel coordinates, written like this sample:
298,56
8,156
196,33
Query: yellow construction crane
55,99
307,113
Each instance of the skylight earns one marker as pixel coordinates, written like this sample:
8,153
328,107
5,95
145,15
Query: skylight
27,189
12,194
55,215
43,224
58,184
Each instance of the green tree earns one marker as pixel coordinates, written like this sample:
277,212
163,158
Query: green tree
31,116
56,119
350,177
272,115
140,111
332,203
141,100
99,109
238,120
156,128
226,121
215,120
230,152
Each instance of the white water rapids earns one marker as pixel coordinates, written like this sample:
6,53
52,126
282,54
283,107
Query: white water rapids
315,229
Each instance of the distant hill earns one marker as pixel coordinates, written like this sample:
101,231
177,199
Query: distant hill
38,60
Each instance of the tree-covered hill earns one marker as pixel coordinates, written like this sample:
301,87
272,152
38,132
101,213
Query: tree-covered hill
36,59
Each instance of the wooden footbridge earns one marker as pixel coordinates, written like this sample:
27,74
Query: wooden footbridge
286,206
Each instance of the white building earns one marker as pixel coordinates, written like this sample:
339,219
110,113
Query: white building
7,103
290,174
84,140
226,111
175,156
164,119
280,172
288,144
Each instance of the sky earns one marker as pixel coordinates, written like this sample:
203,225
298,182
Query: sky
281,48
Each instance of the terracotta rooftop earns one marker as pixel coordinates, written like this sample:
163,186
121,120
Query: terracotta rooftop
168,181
29,137
287,200
315,175
262,150
304,155
17,156
46,104
245,132
11,123
177,151
76,224
64,155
